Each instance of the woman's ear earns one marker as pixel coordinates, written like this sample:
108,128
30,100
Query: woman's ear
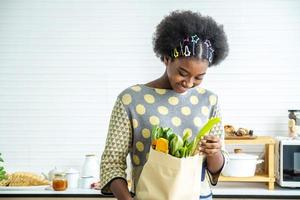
167,60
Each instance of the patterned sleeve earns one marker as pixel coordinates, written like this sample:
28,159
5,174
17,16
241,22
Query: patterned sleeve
118,143
218,130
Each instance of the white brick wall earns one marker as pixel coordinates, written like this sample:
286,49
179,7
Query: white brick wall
63,62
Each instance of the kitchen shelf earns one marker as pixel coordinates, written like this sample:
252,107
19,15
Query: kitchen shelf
269,175
256,178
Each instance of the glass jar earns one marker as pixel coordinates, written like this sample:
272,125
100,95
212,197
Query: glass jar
294,123
59,182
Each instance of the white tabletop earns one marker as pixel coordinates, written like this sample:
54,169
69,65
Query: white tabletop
251,189
223,189
50,192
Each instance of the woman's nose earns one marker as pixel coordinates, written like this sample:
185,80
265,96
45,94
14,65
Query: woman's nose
188,83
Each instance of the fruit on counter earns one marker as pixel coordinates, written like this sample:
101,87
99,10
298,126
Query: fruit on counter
242,132
165,140
231,132
24,179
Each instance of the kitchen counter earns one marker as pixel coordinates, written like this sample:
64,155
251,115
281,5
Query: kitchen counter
253,190
222,190
50,193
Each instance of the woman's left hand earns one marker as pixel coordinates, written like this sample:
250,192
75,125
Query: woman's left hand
210,145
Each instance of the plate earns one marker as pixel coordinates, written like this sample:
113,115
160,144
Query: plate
15,188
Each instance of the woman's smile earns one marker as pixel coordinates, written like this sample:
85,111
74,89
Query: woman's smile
181,88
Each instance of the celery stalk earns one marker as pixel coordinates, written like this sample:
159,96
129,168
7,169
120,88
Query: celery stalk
204,130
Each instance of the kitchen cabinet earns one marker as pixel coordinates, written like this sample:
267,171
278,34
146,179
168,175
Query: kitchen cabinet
269,175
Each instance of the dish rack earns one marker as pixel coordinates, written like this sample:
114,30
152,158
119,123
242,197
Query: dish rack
269,175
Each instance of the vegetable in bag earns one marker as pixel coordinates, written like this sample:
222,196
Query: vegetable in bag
166,141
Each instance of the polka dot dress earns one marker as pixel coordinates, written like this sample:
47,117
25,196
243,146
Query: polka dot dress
148,106
136,111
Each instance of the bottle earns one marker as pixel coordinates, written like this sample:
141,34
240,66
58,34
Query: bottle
91,167
294,123
59,182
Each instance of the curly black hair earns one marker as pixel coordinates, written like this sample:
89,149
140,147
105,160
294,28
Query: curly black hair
181,24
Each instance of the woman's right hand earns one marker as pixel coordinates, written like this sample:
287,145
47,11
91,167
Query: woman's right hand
120,190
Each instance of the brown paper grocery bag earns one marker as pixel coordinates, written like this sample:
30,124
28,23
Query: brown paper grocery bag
165,177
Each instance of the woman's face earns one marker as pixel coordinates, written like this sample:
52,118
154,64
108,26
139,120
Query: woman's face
185,73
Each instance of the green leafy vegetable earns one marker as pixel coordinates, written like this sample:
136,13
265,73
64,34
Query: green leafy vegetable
171,136
175,144
2,171
154,133
186,136
182,147
204,130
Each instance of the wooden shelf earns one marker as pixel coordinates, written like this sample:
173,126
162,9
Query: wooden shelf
269,176
256,178
258,140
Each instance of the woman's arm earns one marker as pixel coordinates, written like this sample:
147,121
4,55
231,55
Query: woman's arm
120,189
212,148
113,159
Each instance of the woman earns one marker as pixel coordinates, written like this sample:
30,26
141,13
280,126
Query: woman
187,43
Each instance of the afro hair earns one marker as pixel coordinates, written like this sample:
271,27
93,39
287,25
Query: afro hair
181,24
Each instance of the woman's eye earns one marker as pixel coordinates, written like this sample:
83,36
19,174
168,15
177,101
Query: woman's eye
199,78
182,73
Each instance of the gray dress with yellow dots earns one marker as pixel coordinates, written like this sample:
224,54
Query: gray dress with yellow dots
137,110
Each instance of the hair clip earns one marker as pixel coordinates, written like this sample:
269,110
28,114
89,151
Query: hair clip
211,51
176,53
207,43
195,39
181,49
186,39
188,44
187,51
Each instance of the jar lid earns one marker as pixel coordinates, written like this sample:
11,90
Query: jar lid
294,110
86,177
59,174
90,155
72,171
242,156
